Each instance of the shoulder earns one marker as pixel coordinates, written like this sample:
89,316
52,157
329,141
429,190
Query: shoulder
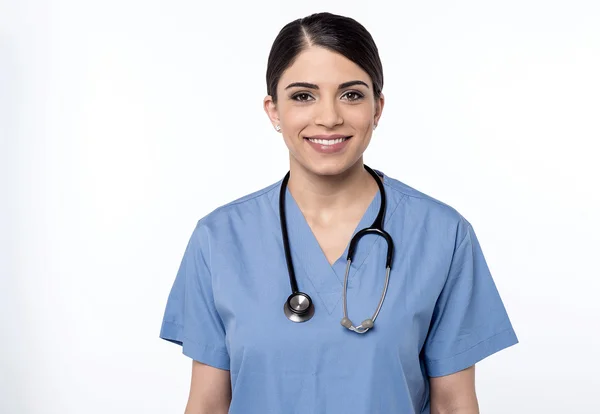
425,211
241,211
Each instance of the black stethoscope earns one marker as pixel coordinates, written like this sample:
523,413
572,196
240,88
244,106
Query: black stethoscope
299,306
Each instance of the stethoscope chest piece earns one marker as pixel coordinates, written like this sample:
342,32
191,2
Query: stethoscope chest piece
299,307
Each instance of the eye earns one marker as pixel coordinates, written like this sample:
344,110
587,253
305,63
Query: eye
353,96
302,97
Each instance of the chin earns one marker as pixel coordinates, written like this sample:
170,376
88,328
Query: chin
330,168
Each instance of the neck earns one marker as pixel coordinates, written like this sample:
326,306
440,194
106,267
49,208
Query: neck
322,196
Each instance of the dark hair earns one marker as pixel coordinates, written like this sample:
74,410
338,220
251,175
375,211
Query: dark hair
340,34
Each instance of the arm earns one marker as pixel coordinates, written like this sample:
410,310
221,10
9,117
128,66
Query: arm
454,393
210,390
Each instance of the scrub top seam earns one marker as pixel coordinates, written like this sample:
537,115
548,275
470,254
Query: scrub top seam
450,277
175,323
470,348
395,187
276,211
257,194
207,347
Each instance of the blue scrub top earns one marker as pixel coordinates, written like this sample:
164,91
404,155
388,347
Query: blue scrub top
442,312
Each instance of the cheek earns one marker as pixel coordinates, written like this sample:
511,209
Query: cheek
361,117
295,119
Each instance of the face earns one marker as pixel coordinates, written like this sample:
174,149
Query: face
321,96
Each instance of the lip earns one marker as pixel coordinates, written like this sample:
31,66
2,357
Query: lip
327,137
331,148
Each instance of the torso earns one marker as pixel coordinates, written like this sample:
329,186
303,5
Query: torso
312,367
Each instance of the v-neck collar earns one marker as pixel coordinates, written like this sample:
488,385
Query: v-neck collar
310,261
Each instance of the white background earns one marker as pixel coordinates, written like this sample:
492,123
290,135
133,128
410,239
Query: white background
123,122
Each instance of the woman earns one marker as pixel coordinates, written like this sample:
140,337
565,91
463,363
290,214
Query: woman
254,351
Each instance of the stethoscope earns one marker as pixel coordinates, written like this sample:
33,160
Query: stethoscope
299,306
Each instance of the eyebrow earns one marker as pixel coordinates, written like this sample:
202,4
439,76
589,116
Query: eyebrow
313,86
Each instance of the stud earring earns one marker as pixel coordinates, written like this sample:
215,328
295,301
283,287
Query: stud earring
374,126
278,128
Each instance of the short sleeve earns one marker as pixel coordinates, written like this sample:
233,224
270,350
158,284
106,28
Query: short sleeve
191,319
469,322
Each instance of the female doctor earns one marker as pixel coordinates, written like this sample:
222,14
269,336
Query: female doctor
281,313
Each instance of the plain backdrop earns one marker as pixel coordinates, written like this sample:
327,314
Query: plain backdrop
123,122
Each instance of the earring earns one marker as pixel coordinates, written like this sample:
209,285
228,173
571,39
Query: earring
278,128
374,126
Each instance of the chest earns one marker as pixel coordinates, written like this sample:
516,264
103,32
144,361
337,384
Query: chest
332,233
333,239
252,285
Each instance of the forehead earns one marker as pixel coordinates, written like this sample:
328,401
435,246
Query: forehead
321,66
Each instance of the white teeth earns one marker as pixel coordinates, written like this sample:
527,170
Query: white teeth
327,141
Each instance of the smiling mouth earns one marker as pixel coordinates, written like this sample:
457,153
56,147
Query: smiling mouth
328,141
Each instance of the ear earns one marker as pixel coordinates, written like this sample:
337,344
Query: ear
379,103
271,110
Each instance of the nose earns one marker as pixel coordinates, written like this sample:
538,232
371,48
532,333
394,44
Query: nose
328,114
